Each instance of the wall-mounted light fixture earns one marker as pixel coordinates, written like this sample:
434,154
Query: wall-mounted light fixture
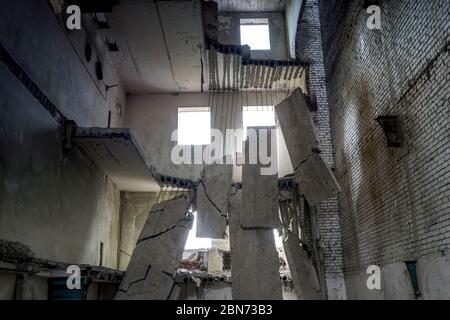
392,130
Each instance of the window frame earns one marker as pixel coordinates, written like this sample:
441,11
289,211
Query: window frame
193,109
256,22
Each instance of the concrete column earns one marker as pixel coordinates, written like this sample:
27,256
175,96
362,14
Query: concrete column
254,259
259,189
151,272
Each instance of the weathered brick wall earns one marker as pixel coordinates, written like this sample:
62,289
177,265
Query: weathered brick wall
395,203
309,48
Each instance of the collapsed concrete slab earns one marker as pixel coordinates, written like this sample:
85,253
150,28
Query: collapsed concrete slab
213,195
151,272
316,180
313,174
297,127
260,189
306,282
254,260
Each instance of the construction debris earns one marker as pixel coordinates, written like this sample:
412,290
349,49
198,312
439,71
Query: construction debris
153,265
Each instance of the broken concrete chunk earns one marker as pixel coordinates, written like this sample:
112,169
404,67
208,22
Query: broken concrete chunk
316,180
150,274
254,260
297,127
259,191
213,195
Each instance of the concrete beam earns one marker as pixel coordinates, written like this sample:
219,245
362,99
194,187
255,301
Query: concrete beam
213,195
254,260
151,272
259,191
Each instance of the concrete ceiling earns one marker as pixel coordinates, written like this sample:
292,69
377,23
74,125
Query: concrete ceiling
251,5
160,45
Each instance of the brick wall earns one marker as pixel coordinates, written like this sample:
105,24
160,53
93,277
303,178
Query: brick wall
309,48
395,203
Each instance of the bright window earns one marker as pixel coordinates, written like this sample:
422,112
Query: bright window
255,33
254,116
194,126
193,242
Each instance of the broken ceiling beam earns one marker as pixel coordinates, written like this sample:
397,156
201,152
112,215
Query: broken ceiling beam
213,193
153,265
306,282
118,154
254,259
259,188
312,173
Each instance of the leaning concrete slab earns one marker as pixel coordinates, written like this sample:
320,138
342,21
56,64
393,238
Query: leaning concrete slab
306,283
297,127
213,195
316,180
259,190
151,272
254,260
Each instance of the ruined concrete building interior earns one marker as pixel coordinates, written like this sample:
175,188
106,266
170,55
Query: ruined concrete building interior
224,149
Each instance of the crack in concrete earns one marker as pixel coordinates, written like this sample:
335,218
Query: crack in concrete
314,151
186,218
170,275
137,281
210,200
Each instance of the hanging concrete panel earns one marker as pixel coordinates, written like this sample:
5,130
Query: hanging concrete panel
213,195
152,269
316,180
259,191
297,127
312,173
306,283
254,260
